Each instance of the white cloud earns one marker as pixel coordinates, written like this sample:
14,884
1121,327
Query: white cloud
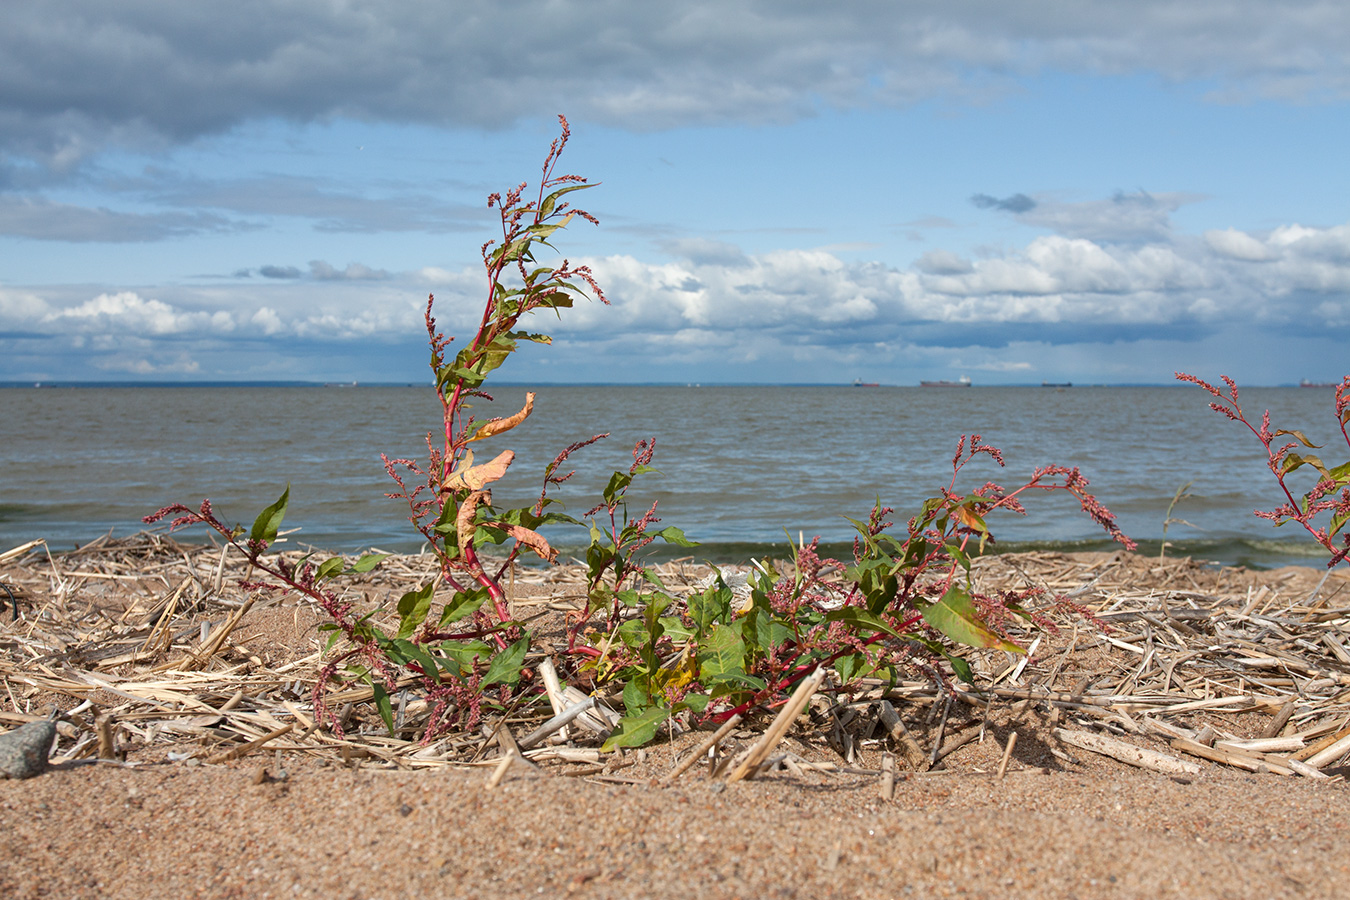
1237,244
128,312
735,308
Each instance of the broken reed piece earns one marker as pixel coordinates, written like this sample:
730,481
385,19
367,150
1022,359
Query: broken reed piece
246,749
1279,720
1128,753
786,716
500,772
888,777
552,686
1317,748
909,748
107,747
1007,755
702,749
1234,758
555,723
1330,754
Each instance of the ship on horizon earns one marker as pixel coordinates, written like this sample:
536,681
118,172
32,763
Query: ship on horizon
963,381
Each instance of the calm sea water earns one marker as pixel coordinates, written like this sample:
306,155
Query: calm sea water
743,467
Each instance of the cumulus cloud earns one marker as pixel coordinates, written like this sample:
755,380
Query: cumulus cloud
128,312
1237,245
724,307
149,72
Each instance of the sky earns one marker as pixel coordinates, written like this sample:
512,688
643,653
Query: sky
1095,192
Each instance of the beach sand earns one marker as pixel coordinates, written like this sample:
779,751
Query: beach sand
298,817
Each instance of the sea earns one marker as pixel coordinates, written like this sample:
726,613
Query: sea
745,471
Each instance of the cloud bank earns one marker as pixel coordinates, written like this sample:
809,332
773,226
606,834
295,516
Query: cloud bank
712,304
79,75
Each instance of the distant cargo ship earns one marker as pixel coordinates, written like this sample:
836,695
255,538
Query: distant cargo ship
1322,384
860,383
963,381
1056,384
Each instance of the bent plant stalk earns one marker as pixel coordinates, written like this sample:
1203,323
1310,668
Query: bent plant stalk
1331,492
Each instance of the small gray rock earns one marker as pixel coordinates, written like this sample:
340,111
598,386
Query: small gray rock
24,751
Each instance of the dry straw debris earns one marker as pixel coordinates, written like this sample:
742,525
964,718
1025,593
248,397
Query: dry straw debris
151,654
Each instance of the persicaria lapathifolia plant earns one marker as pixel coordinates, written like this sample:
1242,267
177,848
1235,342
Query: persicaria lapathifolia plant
467,650
717,654
1284,459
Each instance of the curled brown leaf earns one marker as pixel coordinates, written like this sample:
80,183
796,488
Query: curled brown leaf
469,477
497,426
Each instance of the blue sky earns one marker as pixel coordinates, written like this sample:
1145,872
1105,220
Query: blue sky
791,192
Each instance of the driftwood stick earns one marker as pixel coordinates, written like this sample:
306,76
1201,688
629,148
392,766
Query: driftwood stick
1128,753
888,777
712,741
764,746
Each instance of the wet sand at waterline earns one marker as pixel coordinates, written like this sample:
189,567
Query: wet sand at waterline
372,817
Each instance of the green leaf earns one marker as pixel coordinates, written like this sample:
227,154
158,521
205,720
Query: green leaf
547,205
618,483
413,607
269,520
852,666
881,596
635,699
723,653
711,607
672,535
961,668
382,704
329,568
463,654
955,616
415,653
505,666
366,563
1293,461
636,730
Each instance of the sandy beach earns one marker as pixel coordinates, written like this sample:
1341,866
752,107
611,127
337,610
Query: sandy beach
1195,656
